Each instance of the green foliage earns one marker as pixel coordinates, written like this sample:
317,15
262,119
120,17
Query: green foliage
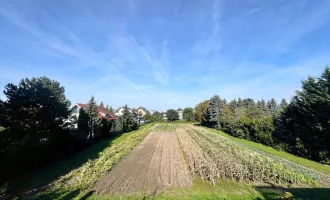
105,127
128,123
286,196
214,113
83,123
119,123
172,115
93,119
305,122
33,116
97,127
156,117
200,110
188,114
272,106
102,104
147,118
244,118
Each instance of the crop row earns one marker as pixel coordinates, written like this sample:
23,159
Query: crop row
238,162
164,127
198,162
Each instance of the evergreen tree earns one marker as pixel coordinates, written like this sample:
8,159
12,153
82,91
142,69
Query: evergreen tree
102,104
233,105
283,104
239,102
308,120
272,106
247,102
263,106
111,110
119,124
83,120
93,113
129,123
107,107
214,114
33,118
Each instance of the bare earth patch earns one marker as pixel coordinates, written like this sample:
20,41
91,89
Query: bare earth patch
157,163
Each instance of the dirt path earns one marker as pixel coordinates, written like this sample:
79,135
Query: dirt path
154,165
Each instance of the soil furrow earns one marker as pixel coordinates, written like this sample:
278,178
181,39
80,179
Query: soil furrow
154,165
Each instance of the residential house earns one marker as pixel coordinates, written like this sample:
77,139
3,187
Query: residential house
180,112
120,112
103,112
142,111
152,111
163,114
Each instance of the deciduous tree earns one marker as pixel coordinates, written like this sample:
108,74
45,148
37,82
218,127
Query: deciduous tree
200,110
156,117
172,115
188,114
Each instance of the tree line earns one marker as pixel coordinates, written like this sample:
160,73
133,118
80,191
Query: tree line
36,127
171,115
301,127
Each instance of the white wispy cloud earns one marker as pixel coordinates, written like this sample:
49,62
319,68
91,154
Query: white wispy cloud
164,54
81,51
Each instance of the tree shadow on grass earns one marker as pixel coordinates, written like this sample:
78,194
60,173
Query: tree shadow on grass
63,195
34,182
58,195
298,193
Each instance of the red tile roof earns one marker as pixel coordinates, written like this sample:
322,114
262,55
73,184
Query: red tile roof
101,110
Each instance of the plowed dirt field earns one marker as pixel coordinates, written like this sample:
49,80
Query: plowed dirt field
157,163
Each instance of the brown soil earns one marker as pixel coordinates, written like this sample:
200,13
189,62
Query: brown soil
154,165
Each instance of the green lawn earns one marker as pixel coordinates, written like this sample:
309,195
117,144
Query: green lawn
302,161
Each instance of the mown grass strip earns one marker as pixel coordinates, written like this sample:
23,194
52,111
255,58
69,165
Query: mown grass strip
201,190
302,161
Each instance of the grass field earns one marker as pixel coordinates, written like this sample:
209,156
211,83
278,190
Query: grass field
75,178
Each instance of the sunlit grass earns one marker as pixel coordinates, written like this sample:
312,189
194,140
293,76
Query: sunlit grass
224,189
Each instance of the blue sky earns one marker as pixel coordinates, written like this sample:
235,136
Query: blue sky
165,54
